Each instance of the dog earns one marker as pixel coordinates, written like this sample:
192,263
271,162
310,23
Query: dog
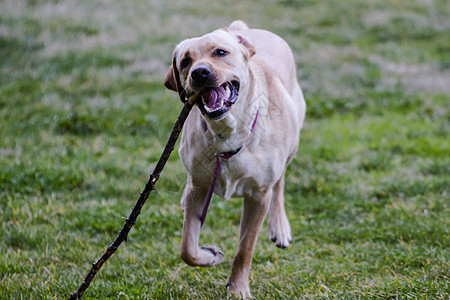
242,134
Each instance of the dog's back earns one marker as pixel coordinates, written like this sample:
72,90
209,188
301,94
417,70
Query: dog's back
272,52
274,58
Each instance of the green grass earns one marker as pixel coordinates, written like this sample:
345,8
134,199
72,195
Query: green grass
84,117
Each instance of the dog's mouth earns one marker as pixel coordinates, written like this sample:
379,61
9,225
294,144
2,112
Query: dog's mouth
215,102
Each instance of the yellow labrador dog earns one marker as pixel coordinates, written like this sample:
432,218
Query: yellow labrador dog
241,138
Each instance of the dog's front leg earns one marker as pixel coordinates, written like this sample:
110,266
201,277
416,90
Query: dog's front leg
253,214
190,252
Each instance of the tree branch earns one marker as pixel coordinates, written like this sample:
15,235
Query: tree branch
150,186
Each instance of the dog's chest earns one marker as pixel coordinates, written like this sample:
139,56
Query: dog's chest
231,181
241,175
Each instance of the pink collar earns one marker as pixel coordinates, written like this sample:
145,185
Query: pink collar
254,122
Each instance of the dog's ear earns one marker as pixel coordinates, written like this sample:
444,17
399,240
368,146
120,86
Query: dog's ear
171,77
248,46
170,82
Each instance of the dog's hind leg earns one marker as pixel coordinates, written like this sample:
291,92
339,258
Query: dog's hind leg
280,230
190,252
253,215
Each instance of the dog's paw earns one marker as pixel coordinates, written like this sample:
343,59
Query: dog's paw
238,290
280,233
213,254
207,256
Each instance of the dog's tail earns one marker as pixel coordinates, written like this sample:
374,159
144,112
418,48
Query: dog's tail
238,25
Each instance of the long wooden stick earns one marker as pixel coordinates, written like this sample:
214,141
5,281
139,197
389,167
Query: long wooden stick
150,186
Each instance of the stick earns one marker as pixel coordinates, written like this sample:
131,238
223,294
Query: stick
150,186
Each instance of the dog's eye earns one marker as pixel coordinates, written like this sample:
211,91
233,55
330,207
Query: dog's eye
185,62
220,52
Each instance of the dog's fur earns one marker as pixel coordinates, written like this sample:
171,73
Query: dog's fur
269,93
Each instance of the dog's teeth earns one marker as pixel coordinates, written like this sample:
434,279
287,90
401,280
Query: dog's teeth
228,92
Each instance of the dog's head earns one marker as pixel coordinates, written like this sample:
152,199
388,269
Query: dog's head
215,64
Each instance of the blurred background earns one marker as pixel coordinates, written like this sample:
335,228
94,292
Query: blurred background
84,116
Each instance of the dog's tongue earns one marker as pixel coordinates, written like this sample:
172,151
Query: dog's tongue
214,97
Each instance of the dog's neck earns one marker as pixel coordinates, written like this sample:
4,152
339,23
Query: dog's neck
231,132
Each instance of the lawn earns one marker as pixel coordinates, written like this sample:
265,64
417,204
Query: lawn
84,116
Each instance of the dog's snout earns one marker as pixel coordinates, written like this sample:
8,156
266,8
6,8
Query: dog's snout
202,75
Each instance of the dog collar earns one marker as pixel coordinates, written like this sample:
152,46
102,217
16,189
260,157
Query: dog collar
217,170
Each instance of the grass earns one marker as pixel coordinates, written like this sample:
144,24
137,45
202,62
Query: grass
84,116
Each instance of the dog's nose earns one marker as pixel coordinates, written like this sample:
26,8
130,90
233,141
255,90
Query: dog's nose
202,75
